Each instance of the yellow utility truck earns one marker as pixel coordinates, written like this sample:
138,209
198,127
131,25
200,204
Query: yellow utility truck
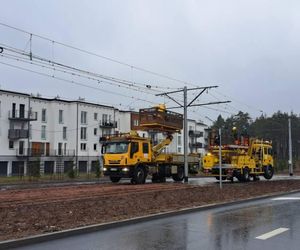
132,156
253,159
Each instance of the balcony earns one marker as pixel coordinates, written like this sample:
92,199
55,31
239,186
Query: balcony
196,145
15,134
195,134
108,124
22,115
40,152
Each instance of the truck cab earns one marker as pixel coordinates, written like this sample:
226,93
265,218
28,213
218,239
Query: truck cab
122,154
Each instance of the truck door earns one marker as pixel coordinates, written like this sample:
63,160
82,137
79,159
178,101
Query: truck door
134,149
146,154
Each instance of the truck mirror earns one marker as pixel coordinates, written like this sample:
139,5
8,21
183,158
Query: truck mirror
103,148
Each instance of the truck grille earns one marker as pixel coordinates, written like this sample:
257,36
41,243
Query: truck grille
114,161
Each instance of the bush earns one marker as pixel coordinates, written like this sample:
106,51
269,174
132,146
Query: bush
97,169
72,173
34,169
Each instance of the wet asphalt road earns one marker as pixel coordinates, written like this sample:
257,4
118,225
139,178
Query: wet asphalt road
230,227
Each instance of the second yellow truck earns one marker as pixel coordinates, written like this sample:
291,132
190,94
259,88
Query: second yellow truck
241,161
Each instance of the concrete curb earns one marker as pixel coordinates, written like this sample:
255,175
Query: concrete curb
8,244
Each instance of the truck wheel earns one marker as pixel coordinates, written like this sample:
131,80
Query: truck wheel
180,174
115,179
139,175
245,174
268,172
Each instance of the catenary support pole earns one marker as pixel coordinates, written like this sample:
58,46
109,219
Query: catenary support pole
220,157
290,150
185,107
185,134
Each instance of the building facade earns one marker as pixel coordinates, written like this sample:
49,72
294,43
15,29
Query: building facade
54,135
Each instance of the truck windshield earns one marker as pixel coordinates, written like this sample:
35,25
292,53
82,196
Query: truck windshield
116,147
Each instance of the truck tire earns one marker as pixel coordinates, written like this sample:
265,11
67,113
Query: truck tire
180,174
223,178
246,174
268,172
114,179
139,176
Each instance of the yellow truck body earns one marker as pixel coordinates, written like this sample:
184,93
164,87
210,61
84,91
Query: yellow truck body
132,156
240,161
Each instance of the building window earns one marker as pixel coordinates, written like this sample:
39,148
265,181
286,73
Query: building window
60,116
42,149
83,117
95,131
65,148
43,132
104,118
95,116
64,133
11,144
135,122
21,147
179,140
83,133
83,146
44,115
179,150
60,145
95,146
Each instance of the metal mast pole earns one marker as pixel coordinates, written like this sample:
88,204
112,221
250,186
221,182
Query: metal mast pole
220,157
185,134
290,150
185,107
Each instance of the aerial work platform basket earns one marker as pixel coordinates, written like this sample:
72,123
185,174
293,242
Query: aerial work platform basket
160,119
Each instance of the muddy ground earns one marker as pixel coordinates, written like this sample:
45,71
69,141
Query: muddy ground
40,210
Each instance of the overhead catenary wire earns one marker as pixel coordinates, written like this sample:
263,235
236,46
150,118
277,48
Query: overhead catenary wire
75,82
57,69
240,102
51,63
53,42
99,56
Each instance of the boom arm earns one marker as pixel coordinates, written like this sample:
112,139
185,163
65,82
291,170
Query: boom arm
157,148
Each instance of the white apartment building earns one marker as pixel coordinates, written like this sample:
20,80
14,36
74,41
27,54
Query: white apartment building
58,135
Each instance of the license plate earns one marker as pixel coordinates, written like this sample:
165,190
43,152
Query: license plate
113,169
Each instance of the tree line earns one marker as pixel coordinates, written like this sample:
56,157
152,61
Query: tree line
273,128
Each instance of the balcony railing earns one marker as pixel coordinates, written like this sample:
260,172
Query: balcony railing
14,134
196,145
22,115
108,124
159,120
36,152
195,133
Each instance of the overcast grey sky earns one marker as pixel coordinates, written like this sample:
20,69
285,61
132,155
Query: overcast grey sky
249,48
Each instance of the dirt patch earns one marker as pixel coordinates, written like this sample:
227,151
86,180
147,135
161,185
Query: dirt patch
35,211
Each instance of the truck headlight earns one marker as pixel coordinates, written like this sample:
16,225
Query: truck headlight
104,169
125,169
